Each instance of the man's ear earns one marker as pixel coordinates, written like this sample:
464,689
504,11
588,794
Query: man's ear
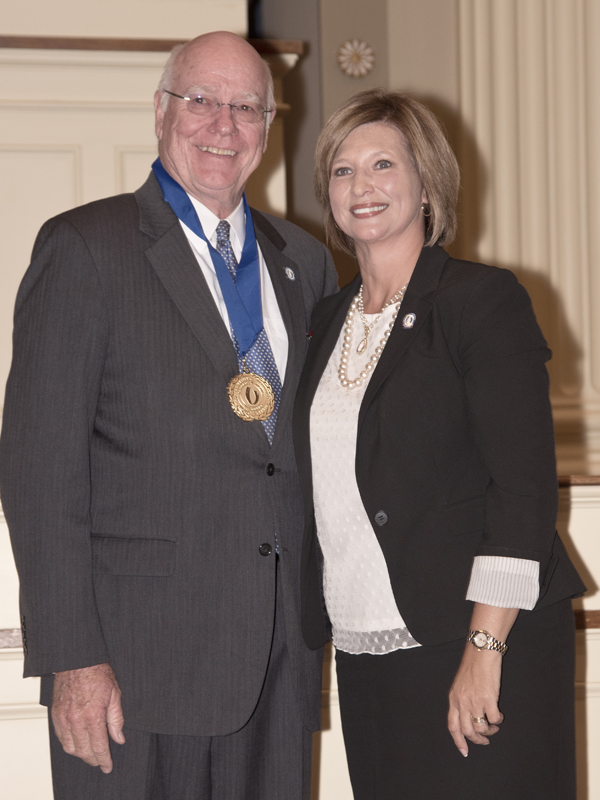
159,113
270,117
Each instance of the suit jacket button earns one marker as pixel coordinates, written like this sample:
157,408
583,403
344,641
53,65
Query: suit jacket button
381,517
265,549
270,469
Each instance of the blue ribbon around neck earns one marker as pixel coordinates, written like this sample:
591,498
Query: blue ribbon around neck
242,298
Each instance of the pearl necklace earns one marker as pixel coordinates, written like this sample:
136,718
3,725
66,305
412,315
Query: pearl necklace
362,345
357,305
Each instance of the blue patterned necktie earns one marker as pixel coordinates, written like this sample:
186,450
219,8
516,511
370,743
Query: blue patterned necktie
259,359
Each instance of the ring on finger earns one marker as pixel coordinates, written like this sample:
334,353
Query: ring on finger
479,720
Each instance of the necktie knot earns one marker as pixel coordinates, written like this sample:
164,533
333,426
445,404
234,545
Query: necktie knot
224,247
223,232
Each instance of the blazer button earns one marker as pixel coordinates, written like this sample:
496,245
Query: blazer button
265,549
381,517
270,469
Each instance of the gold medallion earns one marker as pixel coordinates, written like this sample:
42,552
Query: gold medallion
251,396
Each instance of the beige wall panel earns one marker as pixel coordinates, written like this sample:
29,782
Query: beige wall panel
9,584
529,104
160,19
331,780
422,49
17,694
79,76
578,524
132,166
587,710
38,181
266,188
342,20
591,87
25,758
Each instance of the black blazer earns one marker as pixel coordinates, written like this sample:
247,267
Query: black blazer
455,444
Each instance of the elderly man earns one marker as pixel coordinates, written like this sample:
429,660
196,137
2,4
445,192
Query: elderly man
146,463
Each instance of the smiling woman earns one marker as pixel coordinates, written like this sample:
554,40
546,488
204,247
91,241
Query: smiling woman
424,439
375,192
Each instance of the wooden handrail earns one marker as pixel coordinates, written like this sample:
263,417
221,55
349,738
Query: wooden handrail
579,480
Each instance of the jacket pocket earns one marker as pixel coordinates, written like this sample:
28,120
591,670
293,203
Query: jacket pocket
112,555
465,517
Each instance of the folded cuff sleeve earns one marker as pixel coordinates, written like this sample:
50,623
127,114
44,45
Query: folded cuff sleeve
504,582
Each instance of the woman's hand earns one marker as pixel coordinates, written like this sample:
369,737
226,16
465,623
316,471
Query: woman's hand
473,696
476,688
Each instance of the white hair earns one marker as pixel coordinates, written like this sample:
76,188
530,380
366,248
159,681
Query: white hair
168,76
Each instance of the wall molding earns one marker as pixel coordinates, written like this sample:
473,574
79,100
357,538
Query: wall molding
23,711
588,620
82,58
75,105
582,496
11,638
587,691
262,46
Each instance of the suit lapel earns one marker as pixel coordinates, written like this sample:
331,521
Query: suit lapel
176,266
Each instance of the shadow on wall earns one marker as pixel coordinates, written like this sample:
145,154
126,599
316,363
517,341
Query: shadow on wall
564,367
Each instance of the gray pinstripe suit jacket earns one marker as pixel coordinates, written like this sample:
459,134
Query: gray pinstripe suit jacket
135,498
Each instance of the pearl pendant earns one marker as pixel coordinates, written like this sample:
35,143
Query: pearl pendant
362,346
364,375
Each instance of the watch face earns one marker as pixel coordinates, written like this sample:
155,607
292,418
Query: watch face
480,640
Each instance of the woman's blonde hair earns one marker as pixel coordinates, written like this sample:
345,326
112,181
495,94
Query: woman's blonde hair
429,149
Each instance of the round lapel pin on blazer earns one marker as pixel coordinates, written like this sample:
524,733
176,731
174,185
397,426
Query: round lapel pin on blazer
290,274
409,320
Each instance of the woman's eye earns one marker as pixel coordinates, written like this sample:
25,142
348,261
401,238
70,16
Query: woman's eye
341,171
383,164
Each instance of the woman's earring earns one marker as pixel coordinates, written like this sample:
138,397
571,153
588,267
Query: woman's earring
426,210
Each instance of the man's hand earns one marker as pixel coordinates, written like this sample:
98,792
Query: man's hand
86,707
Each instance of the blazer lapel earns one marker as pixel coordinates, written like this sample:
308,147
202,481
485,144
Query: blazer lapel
424,281
178,270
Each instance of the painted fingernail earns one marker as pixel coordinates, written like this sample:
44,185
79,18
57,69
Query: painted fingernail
465,753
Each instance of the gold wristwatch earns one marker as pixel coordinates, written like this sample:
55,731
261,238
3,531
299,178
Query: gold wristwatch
483,640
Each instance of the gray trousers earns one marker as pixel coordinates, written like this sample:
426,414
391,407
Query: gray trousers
268,759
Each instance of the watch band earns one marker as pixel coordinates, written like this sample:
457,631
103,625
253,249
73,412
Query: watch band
490,642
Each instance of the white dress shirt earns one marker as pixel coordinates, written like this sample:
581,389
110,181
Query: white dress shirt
272,319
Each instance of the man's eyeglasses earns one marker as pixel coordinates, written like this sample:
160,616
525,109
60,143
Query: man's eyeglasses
205,106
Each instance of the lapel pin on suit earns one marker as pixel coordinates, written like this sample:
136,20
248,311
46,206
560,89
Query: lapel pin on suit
409,320
290,274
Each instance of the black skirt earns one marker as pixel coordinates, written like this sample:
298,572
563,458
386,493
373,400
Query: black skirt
394,715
